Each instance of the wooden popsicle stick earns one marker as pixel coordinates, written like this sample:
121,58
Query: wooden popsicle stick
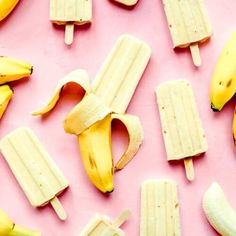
189,169
69,33
122,218
56,204
197,61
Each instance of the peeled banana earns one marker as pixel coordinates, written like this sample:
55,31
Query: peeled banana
90,120
223,83
9,228
12,69
5,96
219,213
6,7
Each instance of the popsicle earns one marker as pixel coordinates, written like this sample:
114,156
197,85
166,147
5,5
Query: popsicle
181,125
118,77
127,2
69,13
159,208
189,24
101,225
37,174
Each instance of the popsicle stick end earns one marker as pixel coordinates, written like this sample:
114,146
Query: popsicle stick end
189,169
56,204
122,218
69,33
197,61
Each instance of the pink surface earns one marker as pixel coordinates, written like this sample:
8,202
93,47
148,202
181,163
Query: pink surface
28,34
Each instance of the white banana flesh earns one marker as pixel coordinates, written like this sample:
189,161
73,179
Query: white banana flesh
218,211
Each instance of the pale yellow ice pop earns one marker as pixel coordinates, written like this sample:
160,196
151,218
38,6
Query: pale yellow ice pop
189,24
159,209
116,81
36,172
101,225
69,13
127,2
181,125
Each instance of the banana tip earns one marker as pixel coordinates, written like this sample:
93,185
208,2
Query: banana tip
214,109
31,70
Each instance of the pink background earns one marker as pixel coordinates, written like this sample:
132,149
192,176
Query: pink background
28,34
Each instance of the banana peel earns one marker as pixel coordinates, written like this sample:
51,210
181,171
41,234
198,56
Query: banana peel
6,7
90,120
9,228
6,94
223,83
12,69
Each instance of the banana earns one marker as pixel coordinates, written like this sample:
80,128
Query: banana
105,100
219,213
5,96
90,120
223,83
6,224
95,148
6,7
234,127
12,69
9,228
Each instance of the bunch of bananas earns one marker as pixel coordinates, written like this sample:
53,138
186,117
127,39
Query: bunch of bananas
6,7
223,84
9,228
10,70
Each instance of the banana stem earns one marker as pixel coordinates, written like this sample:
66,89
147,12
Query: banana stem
20,231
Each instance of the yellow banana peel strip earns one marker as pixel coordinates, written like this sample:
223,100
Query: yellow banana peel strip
135,132
86,113
79,77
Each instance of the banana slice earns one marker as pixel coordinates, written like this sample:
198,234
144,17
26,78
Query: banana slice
79,77
218,211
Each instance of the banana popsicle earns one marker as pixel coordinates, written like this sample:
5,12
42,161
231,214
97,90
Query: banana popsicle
159,208
127,2
101,225
37,174
181,125
69,13
118,77
189,24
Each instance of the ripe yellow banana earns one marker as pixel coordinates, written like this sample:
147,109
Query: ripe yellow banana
12,69
223,84
90,121
5,96
6,7
9,228
96,154
218,211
